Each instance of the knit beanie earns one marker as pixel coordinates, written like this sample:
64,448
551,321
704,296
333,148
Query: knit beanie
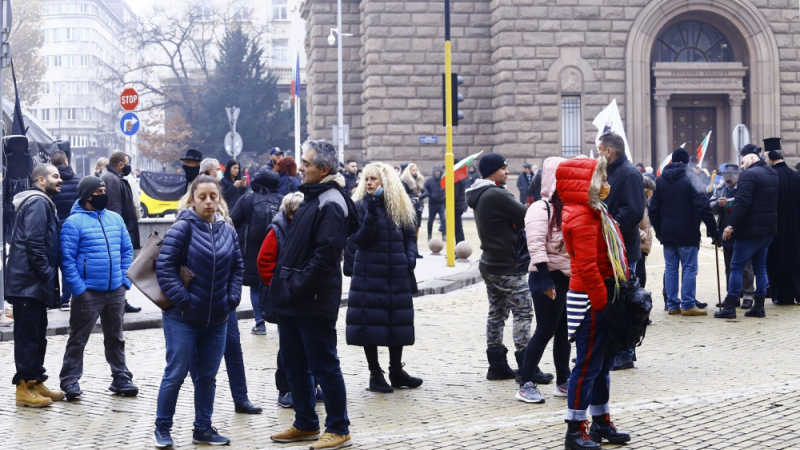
88,185
680,155
491,163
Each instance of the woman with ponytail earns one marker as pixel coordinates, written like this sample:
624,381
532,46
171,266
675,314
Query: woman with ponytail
380,258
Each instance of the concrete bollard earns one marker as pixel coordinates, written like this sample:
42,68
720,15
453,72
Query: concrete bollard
463,251
435,245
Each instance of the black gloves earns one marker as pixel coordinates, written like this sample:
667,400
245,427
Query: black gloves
372,206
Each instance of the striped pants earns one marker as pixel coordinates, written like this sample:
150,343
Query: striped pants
590,382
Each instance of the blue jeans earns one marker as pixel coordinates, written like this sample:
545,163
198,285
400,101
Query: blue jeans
589,383
435,209
255,298
686,257
756,251
182,341
234,362
308,346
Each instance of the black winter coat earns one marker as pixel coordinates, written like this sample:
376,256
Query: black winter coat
380,310
307,281
34,251
626,203
213,256
461,194
264,182
231,193
677,208
69,192
288,184
279,226
434,187
120,200
755,210
349,182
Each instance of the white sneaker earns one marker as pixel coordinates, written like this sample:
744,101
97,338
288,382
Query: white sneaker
561,390
5,321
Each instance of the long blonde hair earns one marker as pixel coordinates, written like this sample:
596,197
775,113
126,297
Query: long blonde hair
417,185
398,206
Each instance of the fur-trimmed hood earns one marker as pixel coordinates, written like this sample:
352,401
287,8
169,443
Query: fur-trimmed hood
580,179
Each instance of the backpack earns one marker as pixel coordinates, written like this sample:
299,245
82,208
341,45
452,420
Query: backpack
523,255
265,207
627,316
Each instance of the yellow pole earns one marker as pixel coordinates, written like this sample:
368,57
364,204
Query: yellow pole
450,199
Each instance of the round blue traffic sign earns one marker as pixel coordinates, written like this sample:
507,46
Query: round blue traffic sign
129,124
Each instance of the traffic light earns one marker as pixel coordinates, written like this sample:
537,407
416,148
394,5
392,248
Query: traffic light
457,98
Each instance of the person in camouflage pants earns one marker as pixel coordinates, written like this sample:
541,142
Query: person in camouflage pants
499,217
508,294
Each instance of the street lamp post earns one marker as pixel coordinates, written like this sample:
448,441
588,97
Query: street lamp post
59,110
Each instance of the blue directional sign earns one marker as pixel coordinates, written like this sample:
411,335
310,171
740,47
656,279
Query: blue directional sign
129,124
428,139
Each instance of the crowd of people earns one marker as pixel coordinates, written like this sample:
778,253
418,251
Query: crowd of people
586,225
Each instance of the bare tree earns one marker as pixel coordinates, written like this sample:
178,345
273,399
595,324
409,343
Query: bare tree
26,40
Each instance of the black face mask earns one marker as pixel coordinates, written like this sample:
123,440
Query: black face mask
191,172
99,201
126,170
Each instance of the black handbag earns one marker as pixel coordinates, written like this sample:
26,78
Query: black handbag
412,280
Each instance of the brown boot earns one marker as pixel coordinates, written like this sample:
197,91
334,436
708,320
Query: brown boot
27,396
44,391
292,434
331,441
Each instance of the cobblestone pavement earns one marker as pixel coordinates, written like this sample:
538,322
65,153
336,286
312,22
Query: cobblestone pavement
700,383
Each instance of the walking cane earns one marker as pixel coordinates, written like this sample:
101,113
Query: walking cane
719,292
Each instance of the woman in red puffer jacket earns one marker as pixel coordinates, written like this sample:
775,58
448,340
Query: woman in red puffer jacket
581,184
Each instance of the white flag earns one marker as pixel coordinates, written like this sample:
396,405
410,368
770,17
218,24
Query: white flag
610,120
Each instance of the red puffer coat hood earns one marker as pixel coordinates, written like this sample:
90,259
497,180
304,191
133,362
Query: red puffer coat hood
578,184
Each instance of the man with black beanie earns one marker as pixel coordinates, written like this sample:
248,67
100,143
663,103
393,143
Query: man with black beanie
96,253
676,210
783,258
499,218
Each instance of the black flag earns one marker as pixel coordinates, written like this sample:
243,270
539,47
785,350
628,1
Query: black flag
18,127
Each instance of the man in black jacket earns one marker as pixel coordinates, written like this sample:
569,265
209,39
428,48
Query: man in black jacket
64,202
306,290
499,218
625,203
676,210
435,200
350,176
120,200
753,223
31,282
524,182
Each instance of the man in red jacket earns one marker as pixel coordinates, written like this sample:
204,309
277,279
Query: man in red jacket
581,185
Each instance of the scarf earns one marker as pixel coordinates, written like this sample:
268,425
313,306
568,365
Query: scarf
615,246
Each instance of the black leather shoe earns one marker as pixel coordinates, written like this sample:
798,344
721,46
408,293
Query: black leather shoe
131,309
577,438
72,392
246,408
401,379
623,361
747,303
377,383
123,386
543,378
603,428
728,308
700,305
758,308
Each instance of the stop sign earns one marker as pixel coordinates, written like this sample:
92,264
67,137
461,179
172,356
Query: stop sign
129,99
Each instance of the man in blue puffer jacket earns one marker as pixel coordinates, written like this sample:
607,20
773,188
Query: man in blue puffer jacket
96,252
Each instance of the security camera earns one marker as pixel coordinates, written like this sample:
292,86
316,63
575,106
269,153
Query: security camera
331,39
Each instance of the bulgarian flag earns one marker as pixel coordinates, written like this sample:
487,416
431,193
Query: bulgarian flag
701,150
460,169
296,79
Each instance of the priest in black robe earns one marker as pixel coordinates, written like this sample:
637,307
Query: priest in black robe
783,258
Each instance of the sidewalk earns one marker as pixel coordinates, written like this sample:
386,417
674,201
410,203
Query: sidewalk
433,277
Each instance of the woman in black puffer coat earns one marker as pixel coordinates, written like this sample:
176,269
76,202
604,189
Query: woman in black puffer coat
380,258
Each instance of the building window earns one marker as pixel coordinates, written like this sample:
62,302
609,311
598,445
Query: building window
72,113
691,41
570,125
280,10
280,52
71,34
45,88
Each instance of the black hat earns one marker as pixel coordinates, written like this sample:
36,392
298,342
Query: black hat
88,185
772,144
775,155
748,149
680,155
491,163
192,155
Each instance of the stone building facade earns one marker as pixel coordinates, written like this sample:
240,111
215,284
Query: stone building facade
537,72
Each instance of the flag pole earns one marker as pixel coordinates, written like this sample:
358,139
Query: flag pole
450,200
296,107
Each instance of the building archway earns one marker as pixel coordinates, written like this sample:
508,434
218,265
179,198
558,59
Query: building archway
750,37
